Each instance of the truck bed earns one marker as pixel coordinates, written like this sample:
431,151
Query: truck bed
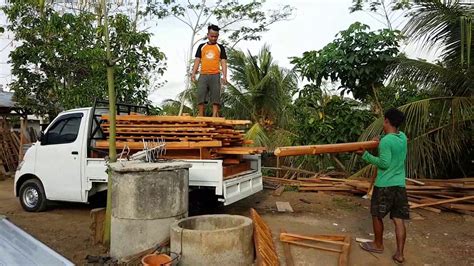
202,174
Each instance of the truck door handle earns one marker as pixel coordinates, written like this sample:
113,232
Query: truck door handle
74,153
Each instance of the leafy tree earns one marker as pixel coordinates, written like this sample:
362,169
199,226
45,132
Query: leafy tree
387,12
440,127
60,63
357,59
398,93
321,118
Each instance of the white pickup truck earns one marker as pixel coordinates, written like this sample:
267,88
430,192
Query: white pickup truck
60,167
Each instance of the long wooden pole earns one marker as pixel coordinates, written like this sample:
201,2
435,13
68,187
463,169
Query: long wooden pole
325,148
440,202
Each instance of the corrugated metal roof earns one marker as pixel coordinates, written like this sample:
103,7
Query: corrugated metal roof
19,248
6,99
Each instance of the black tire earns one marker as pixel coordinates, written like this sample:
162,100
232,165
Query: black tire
32,196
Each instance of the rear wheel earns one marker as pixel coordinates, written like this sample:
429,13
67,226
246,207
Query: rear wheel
32,196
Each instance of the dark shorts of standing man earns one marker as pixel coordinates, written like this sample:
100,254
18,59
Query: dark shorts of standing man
391,200
209,87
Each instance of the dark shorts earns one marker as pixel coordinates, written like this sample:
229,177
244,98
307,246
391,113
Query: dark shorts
209,87
391,200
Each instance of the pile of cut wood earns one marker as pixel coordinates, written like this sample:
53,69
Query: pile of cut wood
429,194
185,137
9,148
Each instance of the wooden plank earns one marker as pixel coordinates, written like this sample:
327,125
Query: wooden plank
287,252
163,129
157,134
431,209
97,225
239,150
441,202
228,161
104,144
230,170
303,184
466,207
325,148
278,191
362,240
415,181
290,237
344,257
413,187
339,238
175,119
205,153
118,125
180,138
335,188
312,246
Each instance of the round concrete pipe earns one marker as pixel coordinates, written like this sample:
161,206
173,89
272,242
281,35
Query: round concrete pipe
146,199
213,240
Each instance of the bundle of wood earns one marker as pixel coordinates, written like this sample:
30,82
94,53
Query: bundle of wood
185,137
433,195
9,149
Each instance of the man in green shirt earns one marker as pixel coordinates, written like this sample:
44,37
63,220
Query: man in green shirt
389,194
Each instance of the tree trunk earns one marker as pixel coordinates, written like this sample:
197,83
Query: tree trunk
378,106
187,77
112,113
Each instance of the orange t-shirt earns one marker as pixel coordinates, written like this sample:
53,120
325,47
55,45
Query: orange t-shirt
211,56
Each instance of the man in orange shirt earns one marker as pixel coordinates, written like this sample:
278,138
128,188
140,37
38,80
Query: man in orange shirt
211,56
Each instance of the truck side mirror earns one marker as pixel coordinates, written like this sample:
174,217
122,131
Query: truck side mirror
41,138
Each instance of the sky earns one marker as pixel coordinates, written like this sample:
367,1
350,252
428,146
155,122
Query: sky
313,24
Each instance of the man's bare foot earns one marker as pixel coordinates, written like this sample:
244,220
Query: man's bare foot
398,259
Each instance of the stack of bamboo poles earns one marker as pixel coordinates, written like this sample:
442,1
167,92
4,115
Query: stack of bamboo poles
433,195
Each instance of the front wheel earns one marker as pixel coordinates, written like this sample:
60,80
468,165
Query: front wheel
32,196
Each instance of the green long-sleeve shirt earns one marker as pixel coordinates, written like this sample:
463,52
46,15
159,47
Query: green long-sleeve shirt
391,160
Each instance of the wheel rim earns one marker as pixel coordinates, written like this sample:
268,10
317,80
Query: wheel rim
31,197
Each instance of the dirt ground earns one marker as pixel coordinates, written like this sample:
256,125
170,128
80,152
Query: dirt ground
432,239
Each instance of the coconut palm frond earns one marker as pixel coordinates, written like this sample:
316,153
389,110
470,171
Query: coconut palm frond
258,135
171,107
236,104
261,89
436,25
280,138
436,131
452,80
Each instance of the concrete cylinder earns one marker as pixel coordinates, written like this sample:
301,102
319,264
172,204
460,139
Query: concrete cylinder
146,199
213,240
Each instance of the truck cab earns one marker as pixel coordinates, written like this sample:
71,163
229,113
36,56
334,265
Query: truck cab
63,166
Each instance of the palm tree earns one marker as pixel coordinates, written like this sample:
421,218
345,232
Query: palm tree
262,92
439,128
